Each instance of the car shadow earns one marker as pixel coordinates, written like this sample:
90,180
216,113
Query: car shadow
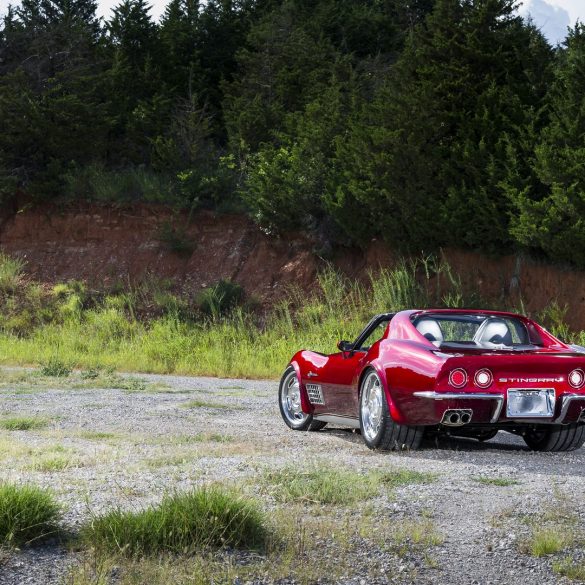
444,442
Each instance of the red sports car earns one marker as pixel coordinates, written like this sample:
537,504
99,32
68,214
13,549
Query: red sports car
465,372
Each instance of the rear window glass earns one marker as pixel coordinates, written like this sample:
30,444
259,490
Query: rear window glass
474,330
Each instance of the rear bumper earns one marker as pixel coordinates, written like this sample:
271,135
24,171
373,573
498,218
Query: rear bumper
570,408
497,399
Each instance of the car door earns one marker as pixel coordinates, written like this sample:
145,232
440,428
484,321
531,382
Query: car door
339,373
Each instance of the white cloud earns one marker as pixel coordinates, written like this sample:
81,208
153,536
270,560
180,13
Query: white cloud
104,7
553,21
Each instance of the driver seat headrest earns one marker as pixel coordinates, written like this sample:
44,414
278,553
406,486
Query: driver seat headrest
431,329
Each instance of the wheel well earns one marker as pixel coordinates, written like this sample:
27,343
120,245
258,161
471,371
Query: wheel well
365,372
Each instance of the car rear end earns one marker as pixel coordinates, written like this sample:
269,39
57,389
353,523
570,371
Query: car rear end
507,389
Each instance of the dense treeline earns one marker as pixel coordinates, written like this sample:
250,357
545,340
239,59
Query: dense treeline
424,122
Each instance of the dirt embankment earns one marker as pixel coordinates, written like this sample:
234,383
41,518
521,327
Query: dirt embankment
107,245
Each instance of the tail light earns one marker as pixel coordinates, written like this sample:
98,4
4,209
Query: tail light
458,378
483,378
577,378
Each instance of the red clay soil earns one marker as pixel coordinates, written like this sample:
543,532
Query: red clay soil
106,246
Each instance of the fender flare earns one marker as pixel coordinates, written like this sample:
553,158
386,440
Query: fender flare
306,405
392,406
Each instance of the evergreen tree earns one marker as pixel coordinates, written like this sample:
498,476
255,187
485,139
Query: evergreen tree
554,220
468,80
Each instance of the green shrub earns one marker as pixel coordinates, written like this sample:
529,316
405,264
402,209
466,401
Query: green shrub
11,270
27,514
219,299
203,518
56,368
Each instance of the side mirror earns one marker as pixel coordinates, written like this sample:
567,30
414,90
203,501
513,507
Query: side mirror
344,346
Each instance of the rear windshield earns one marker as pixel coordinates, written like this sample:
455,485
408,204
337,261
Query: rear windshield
475,330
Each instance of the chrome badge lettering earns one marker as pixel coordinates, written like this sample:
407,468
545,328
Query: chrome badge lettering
529,380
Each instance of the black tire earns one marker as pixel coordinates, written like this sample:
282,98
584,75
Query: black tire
390,436
295,421
555,438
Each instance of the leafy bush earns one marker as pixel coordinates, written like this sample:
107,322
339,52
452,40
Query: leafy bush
219,299
27,514
56,368
204,518
11,271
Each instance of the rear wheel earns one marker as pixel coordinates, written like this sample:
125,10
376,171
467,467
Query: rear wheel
378,429
555,438
289,400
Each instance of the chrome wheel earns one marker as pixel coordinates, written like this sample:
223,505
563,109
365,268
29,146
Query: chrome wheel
290,400
372,406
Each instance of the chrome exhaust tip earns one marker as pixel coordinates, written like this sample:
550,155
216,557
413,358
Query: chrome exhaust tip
465,418
456,417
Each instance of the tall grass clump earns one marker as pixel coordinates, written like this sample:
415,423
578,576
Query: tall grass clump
204,518
10,273
27,514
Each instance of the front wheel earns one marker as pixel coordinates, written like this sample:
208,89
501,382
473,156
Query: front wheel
289,400
555,438
378,429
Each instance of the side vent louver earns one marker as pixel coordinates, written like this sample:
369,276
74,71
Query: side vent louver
315,394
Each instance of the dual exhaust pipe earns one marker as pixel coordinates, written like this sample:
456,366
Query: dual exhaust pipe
457,417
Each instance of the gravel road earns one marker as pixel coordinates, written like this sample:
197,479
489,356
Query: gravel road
108,447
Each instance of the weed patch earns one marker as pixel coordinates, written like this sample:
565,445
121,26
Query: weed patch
334,486
23,423
55,368
496,481
201,519
27,514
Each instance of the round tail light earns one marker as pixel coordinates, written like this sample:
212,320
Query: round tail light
458,378
483,378
577,378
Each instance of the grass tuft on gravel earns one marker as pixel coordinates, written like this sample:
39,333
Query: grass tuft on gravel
23,423
569,568
27,514
548,541
496,481
201,519
322,485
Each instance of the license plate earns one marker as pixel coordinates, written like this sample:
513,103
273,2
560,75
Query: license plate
530,402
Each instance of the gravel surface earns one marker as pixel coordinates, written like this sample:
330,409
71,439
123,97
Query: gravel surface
128,448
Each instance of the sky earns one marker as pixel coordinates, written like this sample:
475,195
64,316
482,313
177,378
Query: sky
551,16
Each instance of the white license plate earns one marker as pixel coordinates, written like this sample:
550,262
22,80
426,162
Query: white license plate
525,402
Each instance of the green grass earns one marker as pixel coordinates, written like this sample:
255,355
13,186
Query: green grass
207,404
27,514
97,435
110,332
567,567
23,423
149,329
184,523
335,486
55,368
497,481
548,541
